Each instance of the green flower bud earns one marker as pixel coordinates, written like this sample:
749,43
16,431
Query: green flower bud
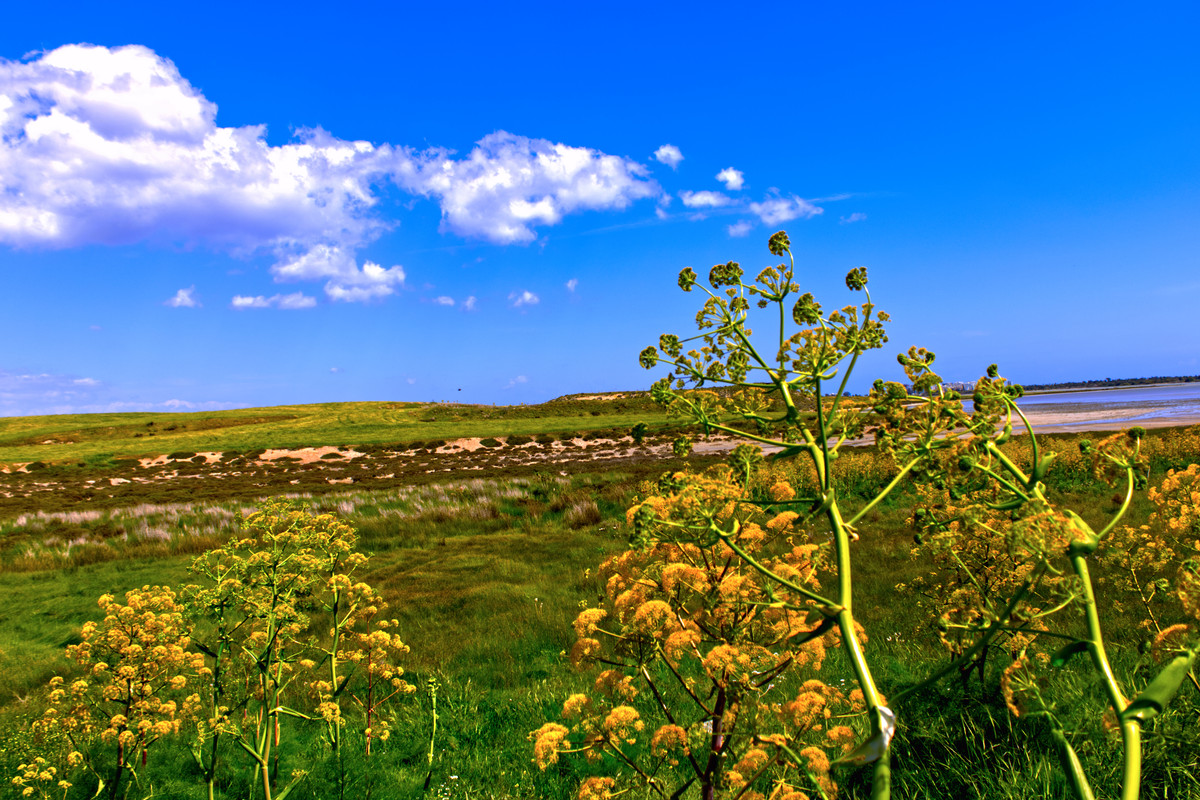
739,304
687,279
993,371
669,343
739,362
807,310
648,358
660,391
682,447
856,279
727,274
779,244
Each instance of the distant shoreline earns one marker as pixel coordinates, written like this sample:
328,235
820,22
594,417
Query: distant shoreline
1117,383
1075,389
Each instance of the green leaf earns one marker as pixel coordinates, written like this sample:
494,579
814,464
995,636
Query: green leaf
1150,703
1043,466
816,632
1084,540
1064,655
1071,765
789,452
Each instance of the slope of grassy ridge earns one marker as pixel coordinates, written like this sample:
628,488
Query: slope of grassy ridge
79,437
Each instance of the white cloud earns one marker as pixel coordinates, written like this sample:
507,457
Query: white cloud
571,284
243,302
857,216
775,210
43,393
346,281
661,213
184,298
524,298
668,154
469,303
114,146
704,199
287,302
444,300
740,228
516,381
294,301
732,178
26,394
508,184
335,370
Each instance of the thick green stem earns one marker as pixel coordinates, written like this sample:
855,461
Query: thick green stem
1131,732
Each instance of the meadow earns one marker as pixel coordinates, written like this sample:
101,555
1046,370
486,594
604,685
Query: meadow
484,574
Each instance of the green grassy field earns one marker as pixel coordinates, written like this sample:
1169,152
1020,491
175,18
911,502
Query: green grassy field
79,437
486,574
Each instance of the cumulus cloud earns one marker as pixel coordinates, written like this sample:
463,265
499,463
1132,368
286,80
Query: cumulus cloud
516,381
114,146
668,154
524,298
732,178
444,300
287,302
184,298
775,210
740,228
704,199
508,184
857,216
571,284
469,303
347,282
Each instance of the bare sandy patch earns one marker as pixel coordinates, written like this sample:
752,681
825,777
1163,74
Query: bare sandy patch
307,455
611,396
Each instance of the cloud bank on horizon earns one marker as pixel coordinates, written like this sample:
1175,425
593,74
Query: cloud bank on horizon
114,146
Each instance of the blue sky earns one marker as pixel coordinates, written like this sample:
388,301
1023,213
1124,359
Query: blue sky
235,204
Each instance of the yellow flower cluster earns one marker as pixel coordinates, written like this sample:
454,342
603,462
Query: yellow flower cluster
1177,501
688,609
137,667
40,778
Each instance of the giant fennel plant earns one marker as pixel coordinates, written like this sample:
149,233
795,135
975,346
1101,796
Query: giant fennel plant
713,629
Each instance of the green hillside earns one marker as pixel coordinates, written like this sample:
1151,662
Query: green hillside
89,437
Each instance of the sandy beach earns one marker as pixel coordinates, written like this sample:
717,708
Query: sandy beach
1159,406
